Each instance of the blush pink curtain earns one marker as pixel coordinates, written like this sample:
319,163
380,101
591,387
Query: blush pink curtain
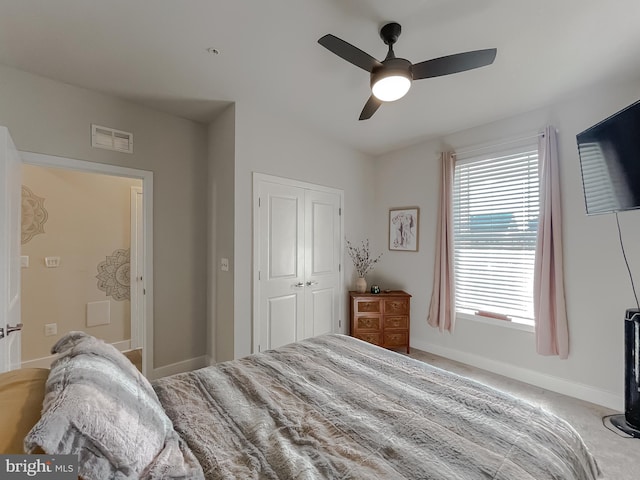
442,312
552,332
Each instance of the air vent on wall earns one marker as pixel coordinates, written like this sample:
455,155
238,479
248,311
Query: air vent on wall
111,139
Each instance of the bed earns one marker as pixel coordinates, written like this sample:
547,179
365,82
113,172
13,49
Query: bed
330,407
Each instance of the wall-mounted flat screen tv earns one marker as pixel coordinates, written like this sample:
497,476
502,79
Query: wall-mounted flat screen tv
610,162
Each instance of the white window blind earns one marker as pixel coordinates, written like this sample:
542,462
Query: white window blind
599,190
495,221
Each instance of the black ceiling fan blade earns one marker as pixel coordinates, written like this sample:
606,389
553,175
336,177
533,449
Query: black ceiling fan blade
350,53
370,108
459,62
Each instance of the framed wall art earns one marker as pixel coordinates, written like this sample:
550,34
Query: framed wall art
403,229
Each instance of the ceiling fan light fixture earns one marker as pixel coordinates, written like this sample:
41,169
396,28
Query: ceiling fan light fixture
391,78
390,88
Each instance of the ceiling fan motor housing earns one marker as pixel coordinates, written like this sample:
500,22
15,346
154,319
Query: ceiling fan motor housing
391,67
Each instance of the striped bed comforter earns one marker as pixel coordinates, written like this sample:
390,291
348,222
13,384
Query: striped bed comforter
334,407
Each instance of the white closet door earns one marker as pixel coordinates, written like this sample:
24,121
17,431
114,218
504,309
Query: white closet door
297,256
281,268
322,262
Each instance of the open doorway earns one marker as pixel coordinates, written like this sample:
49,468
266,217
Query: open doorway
85,255
76,251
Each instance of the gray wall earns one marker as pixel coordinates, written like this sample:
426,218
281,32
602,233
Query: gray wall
222,138
53,118
596,282
276,146
202,193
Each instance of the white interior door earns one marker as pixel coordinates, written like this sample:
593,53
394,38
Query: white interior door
10,228
297,255
322,262
281,270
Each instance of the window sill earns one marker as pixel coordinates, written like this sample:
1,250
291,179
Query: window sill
492,321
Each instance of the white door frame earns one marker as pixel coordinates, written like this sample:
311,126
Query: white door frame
136,275
257,179
52,161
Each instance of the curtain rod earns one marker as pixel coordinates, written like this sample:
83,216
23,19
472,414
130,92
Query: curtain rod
506,142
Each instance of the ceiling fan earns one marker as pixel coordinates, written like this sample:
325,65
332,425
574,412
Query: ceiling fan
391,78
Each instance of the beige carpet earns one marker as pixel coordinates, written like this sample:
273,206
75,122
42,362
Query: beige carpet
618,457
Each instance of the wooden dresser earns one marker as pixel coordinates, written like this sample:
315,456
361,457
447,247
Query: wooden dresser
382,318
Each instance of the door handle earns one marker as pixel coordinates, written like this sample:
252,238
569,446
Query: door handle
299,285
1,332
311,283
17,328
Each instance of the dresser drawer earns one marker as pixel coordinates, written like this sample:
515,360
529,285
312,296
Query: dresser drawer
400,322
396,306
396,339
368,306
369,337
364,323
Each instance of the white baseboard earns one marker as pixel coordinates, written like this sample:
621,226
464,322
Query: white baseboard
123,346
45,362
179,367
542,380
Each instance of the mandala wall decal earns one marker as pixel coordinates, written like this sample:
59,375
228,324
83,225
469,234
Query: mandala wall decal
113,275
34,215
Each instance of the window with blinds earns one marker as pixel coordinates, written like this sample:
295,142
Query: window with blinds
495,222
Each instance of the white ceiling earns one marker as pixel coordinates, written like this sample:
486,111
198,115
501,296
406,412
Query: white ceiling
154,52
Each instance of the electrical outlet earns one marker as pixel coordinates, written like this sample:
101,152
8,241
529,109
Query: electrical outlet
50,329
224,264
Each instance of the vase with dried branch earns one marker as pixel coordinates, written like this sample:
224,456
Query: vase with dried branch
363,262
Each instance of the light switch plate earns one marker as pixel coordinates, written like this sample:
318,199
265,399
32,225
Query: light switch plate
24,261
224,264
